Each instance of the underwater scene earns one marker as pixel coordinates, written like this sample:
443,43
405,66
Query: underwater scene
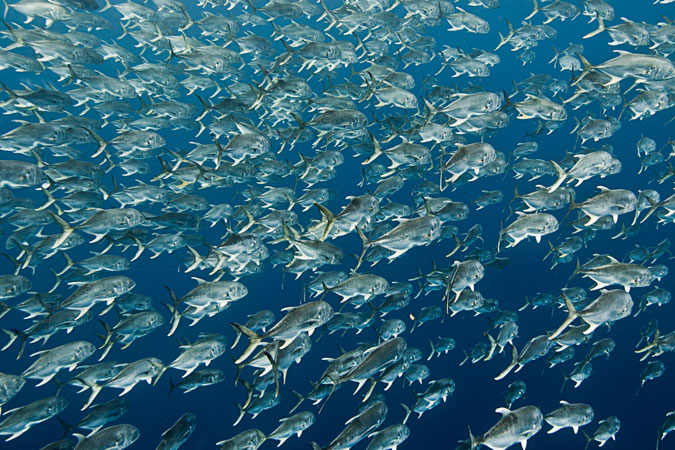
335,224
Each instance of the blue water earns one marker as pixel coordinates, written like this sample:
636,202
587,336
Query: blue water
610,390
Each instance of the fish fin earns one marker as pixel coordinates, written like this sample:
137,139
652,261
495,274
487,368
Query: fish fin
600,29
472,440
561,177
255,340
514,361
571,316
67,229
503,411
377,150
407,413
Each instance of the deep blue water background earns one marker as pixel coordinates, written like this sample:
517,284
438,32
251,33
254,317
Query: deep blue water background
610,390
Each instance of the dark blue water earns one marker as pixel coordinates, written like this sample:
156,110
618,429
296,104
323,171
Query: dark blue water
611,388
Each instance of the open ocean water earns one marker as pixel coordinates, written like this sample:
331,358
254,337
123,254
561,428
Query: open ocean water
413,34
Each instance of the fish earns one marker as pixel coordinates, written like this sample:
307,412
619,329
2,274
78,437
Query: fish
609,306
358,427
572,415
304,318
295,424
20,420
515,426
121,436
179,433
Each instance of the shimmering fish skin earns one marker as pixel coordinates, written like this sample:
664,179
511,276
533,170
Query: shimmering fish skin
18,174
22,419
116,436
358,427
178,434
52,361
515,426
10,385
569,415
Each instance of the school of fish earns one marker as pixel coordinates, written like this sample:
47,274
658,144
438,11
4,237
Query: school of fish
312,145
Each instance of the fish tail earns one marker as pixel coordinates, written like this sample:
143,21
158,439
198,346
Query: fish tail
555,56
102,144
13,335
106,6
171,388
161,369
69,264
501,234
50,201
67,229
242,411
251,220
433,350
365,243
408,410
473,441
466,357
493,346
516,196
431,111
301,123
38,160
300,398
108,340
17,264
458,245
514,361
507,101
571,315
561,177
587,68
28,256
197,259
588,439
327,14
66,426
4,309
275,368
413,318
565,378
95,389
12,94
600,29
206,105
249,394
504,39
377,150
648,348
573,206
175,315
654,205
552,249
444,64
328,218
658,439
255,340
535,10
